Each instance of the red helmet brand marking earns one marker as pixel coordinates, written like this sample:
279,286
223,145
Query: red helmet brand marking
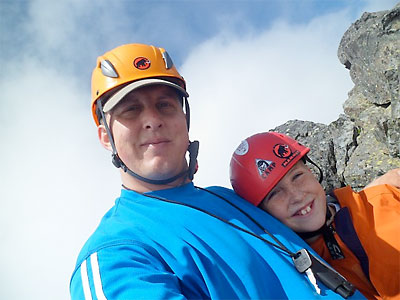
264,167
282,150
141,63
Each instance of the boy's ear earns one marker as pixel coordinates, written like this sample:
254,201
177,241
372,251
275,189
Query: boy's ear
103,137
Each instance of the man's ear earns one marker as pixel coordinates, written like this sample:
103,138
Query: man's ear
103,137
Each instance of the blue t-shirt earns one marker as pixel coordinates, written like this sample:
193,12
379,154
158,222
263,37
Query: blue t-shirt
146,248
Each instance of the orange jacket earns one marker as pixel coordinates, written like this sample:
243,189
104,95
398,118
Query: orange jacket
375,213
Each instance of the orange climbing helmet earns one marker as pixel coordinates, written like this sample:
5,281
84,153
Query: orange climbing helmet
128,67
260,162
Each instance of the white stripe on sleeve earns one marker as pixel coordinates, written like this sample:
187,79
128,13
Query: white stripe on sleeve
96,277
85,281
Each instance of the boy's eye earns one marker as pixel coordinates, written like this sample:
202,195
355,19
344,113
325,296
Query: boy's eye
272,194
297,175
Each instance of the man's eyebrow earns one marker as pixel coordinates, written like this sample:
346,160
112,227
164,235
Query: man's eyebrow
129,100
169,93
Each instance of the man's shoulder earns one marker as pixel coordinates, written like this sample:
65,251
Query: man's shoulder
222,190
119,227
228,194
118,224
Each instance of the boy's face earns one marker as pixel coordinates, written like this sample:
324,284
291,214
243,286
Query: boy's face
298,200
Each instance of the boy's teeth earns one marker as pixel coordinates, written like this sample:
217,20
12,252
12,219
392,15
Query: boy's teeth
305,210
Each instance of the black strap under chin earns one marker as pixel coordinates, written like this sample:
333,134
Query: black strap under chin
193,152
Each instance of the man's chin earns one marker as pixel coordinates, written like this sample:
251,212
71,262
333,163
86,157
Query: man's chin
161,174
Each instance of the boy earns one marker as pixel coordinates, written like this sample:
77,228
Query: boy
357,233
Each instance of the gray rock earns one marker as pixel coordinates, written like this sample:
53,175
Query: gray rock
364,142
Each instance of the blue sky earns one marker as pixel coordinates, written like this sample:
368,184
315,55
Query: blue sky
249,65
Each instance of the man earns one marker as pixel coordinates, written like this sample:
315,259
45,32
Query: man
166,238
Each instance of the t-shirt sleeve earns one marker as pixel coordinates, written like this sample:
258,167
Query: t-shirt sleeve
126,271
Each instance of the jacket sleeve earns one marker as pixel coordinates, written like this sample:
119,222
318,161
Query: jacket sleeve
126,271
375,213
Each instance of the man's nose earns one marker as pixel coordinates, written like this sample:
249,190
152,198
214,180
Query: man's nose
152,118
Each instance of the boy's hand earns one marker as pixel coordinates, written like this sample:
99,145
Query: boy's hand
392,177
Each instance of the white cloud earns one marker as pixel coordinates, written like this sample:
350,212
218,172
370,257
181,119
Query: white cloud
71,27
52,181
54,171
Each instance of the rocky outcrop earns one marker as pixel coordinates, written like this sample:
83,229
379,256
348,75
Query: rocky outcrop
365,141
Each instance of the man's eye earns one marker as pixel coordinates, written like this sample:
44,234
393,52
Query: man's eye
166,105
129,110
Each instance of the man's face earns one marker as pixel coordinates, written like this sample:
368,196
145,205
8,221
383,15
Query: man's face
150,132
298,200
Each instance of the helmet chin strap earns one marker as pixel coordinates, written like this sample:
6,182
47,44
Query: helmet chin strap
193,149
321,174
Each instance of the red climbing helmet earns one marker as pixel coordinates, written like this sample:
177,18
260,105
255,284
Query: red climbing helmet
261,161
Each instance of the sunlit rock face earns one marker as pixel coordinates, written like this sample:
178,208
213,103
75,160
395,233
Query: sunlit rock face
364,142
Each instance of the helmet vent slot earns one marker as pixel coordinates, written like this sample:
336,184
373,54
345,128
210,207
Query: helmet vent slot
108,69
167,60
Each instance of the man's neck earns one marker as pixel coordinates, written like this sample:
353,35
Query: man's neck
143,187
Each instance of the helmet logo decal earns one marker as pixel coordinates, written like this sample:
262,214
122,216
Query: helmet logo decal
141,63
284,151
264,167
243,148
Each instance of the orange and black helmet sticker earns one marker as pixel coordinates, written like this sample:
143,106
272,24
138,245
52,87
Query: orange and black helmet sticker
141,63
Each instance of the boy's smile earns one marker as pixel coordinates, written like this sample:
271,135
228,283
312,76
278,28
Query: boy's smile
298,200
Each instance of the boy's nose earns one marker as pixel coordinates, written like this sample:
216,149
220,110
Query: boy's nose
295,195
